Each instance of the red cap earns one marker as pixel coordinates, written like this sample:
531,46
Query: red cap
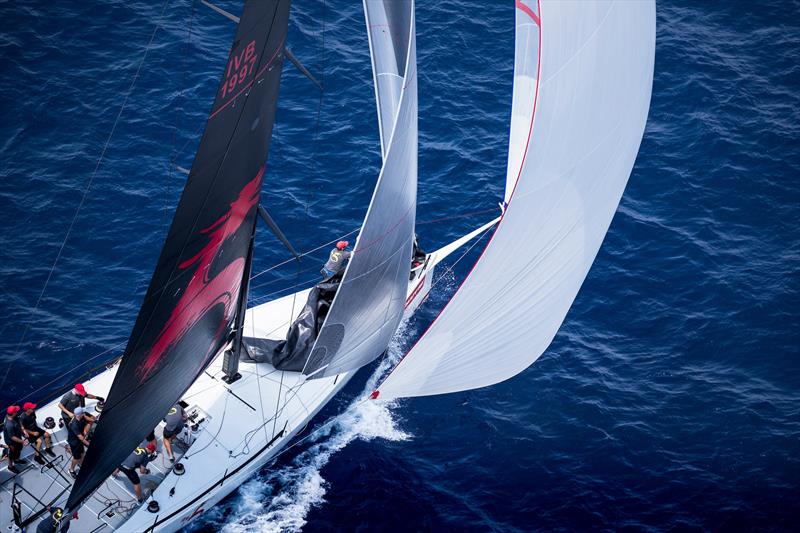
28,405
341,245
80,389
12,409
151,447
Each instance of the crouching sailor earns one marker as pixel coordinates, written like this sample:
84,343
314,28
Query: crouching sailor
53,523
36,435
137,459
337,260
175,422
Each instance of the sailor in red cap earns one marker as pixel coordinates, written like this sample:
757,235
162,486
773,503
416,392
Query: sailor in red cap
137,459
12,433
337,260
36,435
75,398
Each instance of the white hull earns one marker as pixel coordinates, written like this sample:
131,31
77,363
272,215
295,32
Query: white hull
241,427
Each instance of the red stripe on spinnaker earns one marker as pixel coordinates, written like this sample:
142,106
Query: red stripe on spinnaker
528,11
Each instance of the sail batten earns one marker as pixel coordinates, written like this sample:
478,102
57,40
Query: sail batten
195,293
582,81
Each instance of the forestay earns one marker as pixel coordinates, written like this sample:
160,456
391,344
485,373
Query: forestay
188,310
369,304
574,138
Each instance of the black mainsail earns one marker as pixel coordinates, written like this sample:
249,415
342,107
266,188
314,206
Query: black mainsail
190,306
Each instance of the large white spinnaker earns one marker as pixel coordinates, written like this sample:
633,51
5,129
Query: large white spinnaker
369,303
585,120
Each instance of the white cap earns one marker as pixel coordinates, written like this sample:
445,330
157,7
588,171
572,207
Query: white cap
79,411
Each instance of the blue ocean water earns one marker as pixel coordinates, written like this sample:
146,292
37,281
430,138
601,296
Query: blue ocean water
669,399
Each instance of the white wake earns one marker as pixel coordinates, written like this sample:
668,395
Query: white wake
280,500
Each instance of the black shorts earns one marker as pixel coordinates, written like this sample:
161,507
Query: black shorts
132,474
169,434
36,429
77,448
14,449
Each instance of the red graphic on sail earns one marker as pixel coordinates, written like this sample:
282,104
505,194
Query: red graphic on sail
204,293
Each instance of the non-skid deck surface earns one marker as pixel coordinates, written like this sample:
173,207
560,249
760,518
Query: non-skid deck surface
38,486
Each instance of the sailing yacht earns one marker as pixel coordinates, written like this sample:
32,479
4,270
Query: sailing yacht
194,340
582,82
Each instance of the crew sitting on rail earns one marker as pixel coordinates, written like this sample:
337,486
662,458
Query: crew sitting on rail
53,522
175,422
137,459
337,260
75,398
78,437
12,433
36,435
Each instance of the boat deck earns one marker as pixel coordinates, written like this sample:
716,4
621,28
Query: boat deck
237,429
38,486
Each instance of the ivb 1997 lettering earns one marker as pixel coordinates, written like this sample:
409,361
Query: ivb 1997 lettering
240,67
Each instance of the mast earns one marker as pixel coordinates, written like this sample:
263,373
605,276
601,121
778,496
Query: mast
190,306
230,359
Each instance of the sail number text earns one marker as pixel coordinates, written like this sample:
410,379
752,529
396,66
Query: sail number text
240,67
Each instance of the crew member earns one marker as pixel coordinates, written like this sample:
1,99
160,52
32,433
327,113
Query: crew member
52,523
78,437
151,437
12,433
137,459
36,435
75,398
175,422
337,260
417,255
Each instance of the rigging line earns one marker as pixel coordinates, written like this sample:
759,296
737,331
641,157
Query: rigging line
462,215
258,377
85,192
219,429
174,155
451,267
314,162
277,406
245,443
261,404
306,284
314,159
309,252
320,247
46,385
277,280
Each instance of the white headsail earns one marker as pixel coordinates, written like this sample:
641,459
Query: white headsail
368,305
575,132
